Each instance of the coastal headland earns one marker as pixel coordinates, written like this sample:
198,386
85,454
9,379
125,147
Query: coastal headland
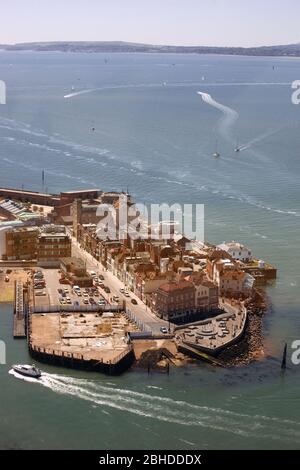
104,304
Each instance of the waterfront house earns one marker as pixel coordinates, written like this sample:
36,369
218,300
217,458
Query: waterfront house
175,301
237,251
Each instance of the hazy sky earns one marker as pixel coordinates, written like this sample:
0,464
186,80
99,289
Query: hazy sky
186,22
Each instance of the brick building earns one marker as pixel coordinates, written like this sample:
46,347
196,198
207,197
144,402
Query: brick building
175,301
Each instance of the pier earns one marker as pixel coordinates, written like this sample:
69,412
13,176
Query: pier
19,328
197,354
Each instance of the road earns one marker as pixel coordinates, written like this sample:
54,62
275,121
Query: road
141,311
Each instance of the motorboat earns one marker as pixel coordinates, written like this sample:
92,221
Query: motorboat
27,371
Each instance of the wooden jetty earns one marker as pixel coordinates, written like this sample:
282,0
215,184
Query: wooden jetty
19,328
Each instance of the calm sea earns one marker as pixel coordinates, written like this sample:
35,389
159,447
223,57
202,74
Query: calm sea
155,135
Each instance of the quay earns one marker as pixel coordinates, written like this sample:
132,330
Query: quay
93,341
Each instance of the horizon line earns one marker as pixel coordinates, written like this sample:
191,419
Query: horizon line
82,41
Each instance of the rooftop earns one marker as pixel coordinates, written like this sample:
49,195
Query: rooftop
175,286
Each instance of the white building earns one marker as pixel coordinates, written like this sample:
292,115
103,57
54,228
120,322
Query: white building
238,251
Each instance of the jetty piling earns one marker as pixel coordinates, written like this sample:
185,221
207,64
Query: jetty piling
283,363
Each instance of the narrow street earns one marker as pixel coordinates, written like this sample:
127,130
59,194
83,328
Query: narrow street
141,311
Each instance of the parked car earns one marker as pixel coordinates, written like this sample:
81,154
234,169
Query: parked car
134,302
122,290
107,290
127,294
76,303
85,300
92,301
101,277
164,330
40,293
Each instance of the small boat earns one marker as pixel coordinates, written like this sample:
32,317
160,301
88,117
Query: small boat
27,371
237,147
216,154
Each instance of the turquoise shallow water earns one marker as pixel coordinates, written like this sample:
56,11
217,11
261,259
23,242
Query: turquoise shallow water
158,140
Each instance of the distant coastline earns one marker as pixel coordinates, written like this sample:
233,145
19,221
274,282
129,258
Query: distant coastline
289,50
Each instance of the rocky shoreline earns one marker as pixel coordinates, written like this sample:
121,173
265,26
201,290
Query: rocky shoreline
251,347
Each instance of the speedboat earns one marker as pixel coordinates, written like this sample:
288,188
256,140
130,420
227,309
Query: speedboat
27,371
237,147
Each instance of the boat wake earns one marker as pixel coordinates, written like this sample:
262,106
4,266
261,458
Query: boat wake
166,409
229,118
260,138
82,92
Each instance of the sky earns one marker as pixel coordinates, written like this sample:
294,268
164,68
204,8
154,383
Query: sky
175,22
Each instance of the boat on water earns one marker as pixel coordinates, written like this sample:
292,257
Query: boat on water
237,147
27,371
216,154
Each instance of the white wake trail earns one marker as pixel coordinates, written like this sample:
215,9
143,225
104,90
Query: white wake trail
229,118
260,138
82,92
166,409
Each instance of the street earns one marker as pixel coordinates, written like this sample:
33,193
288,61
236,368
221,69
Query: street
141,311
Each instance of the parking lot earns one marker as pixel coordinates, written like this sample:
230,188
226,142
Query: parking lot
55,293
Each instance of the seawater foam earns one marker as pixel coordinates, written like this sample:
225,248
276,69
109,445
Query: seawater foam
168,410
